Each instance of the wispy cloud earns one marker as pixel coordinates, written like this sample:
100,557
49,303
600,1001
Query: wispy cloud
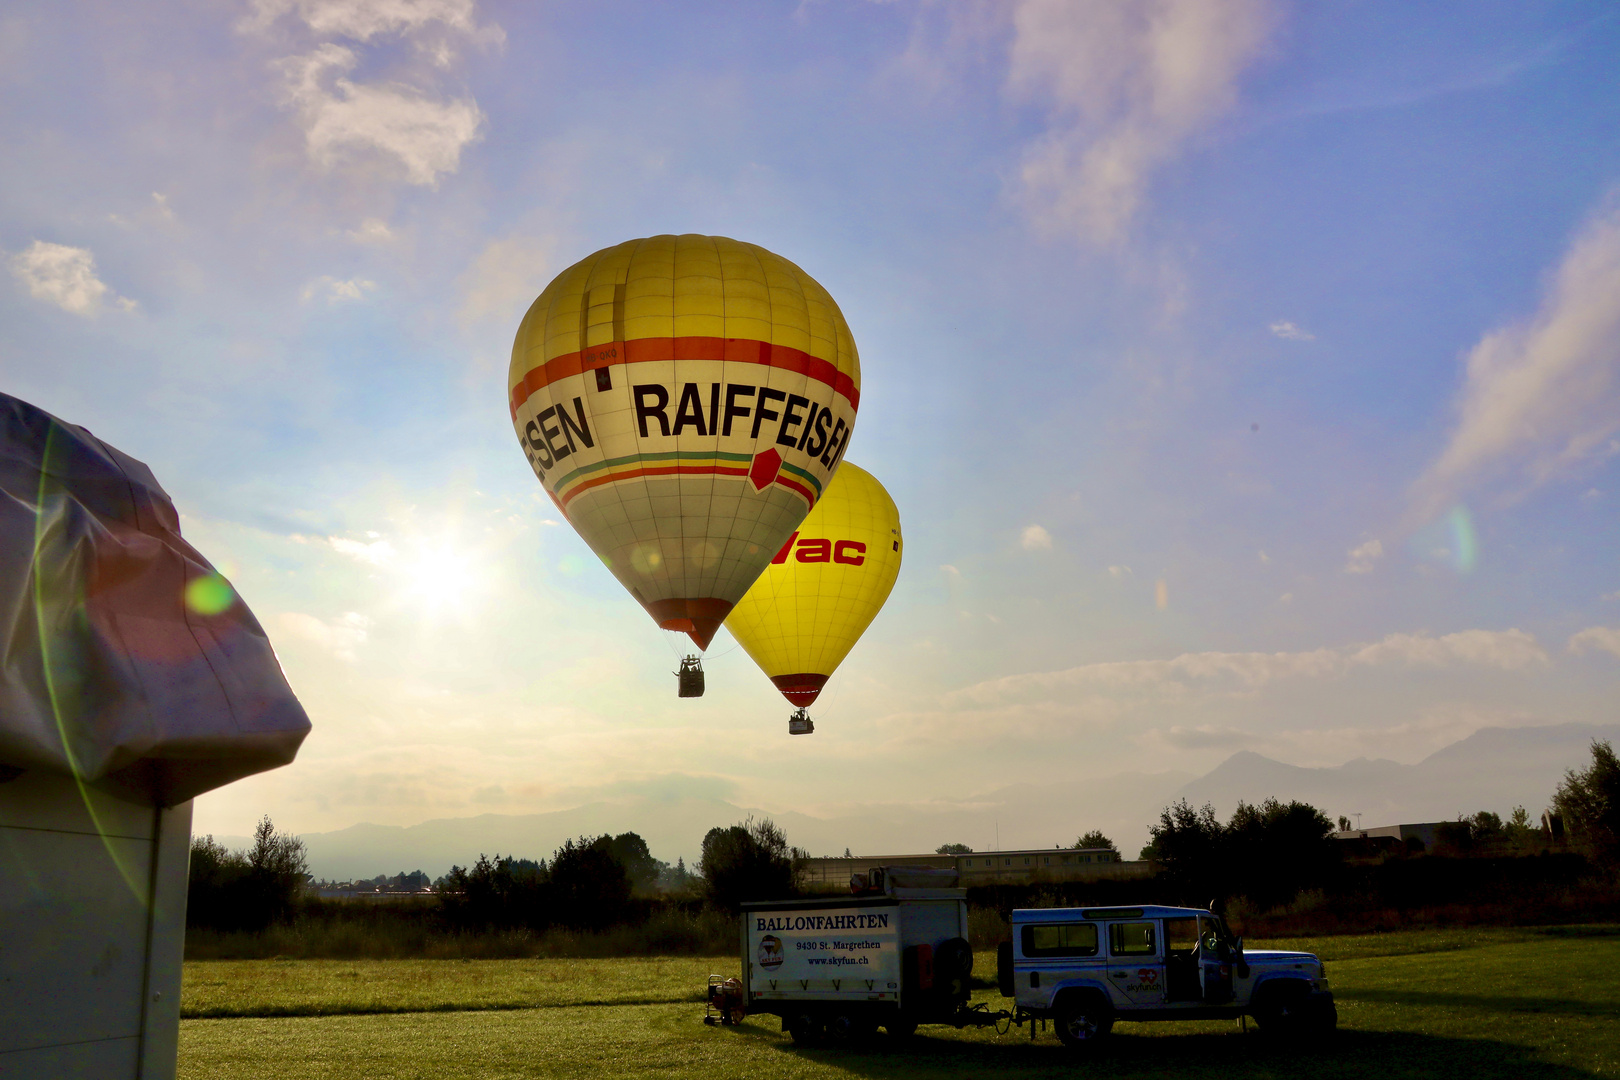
1127,86
408,119
1291,332
1541,397
335,291
1035,538
1604,638
340,636
1505,650
65,276
506,277
1363,556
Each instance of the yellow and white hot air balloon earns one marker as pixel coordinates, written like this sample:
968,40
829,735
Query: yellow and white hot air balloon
685,401
822,590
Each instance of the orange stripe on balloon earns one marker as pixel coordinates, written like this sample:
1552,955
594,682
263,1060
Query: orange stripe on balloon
649,350
660,470
673,470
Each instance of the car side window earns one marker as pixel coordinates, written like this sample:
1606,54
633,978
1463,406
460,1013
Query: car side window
1060,939
1132,939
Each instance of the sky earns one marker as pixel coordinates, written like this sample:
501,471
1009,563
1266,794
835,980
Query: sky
1247,374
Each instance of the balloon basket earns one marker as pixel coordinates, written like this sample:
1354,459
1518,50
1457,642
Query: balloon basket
691,677
801,724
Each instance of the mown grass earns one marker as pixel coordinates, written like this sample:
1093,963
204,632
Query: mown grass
1474,1004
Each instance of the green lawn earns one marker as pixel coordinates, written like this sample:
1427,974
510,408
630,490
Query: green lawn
1469,1004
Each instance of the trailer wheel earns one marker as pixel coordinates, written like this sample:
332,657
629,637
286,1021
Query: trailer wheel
1081,1022
806,1029
849,1027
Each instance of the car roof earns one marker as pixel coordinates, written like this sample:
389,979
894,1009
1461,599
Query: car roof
1146,911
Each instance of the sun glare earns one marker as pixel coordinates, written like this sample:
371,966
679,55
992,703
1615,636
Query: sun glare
440,578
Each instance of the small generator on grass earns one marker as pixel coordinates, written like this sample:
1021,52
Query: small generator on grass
725,1001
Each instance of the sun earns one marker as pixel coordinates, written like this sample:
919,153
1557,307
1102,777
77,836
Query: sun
440,578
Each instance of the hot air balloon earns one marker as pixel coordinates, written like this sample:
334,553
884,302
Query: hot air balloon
822,590
684,400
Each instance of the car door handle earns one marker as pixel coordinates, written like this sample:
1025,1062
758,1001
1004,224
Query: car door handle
1120,974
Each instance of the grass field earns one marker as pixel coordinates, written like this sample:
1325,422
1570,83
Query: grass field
1474,1004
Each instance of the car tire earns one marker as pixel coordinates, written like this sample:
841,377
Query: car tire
1285,1011
1082,1022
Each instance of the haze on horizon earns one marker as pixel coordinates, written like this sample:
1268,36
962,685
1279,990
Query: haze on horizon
1247,374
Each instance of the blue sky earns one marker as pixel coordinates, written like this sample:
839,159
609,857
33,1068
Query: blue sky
1247,374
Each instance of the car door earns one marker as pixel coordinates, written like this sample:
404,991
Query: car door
1136,962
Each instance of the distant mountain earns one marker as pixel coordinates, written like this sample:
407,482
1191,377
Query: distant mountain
1493,769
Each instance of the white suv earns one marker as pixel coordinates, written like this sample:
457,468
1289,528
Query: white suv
1085,968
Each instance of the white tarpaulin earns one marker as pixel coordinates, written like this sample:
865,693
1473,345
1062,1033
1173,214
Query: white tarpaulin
125,658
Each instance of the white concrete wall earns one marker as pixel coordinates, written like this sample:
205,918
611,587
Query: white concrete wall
92,930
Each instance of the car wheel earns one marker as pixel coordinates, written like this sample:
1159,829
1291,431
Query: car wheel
1081,1023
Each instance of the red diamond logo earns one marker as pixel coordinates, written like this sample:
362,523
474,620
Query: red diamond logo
764,469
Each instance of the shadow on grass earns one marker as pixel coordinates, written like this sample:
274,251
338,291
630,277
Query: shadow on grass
1578,931
1350,1055
1479,1002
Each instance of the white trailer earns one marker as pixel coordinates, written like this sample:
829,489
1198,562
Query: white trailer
893,955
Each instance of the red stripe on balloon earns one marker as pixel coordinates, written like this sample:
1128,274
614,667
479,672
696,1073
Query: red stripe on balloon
650,350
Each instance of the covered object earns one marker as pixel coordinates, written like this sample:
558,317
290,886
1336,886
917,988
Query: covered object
132,678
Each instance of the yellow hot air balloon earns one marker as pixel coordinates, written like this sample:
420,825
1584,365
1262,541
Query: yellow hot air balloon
685,401
822,590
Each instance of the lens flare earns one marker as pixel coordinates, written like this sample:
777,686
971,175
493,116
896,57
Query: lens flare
1464,543
210,594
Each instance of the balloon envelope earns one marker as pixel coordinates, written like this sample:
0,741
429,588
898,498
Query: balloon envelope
685,401
823,588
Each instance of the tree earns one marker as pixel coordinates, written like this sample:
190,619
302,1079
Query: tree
1589,803
1186,842
590,887
1095,839
1344,823
1274,850
751,861
502,893
632,853
945,849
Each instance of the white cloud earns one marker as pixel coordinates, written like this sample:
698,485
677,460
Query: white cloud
336,291
1507,650
1206,737
1290,332
371,231
506,277
362,20
1127,85
425,135
340,637
65,276
1596,637
1541,397
1119,572
376,553
1363,557
1035,538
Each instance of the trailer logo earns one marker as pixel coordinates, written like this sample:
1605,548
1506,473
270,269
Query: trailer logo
770,952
